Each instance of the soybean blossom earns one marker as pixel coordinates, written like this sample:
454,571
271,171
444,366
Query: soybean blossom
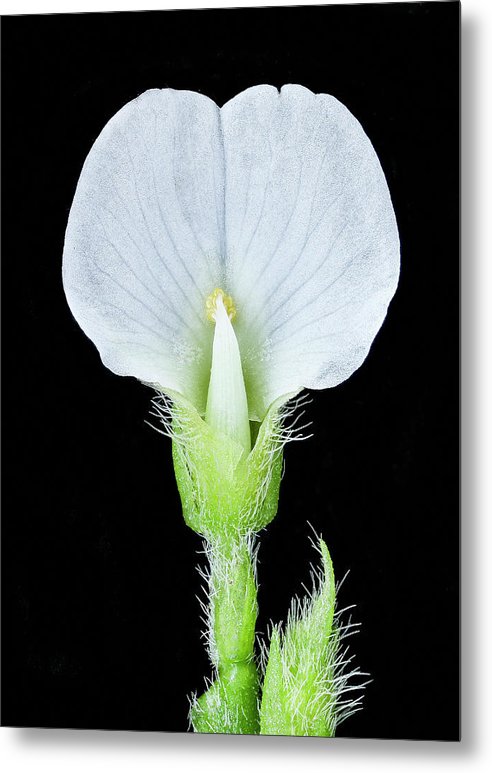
229,258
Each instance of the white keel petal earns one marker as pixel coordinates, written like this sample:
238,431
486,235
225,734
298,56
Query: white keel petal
227,404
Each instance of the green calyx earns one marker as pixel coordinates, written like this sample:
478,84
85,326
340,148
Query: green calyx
226,490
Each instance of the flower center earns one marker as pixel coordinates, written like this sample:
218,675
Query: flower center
227,403
211,304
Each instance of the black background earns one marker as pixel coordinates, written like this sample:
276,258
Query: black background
100,620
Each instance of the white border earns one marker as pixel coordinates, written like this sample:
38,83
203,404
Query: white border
77,751
8,7
62,6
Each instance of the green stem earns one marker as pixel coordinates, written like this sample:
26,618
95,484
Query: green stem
230,705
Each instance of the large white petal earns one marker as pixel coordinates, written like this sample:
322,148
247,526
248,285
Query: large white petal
144,240
312,242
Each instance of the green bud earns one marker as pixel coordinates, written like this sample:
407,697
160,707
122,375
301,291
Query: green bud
300,691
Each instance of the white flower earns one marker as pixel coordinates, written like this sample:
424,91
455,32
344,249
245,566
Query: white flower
277,200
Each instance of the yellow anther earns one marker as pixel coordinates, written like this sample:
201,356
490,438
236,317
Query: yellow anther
211,304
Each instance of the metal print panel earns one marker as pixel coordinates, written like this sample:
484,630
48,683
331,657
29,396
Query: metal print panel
238,228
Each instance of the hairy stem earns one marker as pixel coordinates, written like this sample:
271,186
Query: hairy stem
230,705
